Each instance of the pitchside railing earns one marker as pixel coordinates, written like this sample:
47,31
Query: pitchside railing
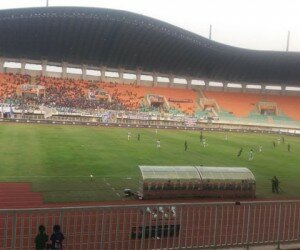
165,226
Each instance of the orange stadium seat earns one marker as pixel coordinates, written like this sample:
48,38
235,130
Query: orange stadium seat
287,105
240,104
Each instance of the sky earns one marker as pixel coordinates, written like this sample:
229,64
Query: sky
251,24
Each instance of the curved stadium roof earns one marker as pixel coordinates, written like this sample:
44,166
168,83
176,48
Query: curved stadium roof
116,39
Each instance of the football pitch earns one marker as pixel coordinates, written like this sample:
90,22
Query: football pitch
58,160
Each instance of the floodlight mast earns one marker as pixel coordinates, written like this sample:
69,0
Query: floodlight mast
47,3
288,42
210,30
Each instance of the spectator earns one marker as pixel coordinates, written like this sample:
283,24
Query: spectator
56,238
41,238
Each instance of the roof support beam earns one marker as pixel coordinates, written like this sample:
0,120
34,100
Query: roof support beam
225,86
206,86
189,83
244,88
102,77
64,70
84,67
23,63
171,81
138,77
263,89
283,91
154,79
44,67
2,60
121,75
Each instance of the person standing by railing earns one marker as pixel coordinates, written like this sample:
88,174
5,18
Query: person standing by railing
56,238
41,238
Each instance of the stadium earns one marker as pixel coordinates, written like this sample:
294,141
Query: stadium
132,133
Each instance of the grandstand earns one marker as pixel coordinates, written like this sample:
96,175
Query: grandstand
71,94
132,71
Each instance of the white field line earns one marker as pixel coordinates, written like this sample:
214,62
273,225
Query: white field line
112,188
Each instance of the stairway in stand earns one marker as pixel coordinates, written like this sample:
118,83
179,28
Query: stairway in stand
18,195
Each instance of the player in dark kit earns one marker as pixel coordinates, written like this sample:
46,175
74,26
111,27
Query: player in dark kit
185,146
275,185
274,144
289,147
240,152
139,137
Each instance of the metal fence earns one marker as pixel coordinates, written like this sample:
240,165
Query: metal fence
165,226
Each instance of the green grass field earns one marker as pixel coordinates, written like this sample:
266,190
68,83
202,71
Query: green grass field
59,159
